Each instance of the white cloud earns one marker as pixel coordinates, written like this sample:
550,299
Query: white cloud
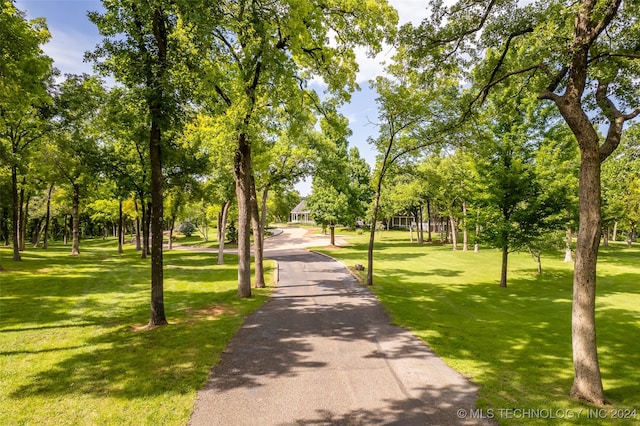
409,11
67,48
413,11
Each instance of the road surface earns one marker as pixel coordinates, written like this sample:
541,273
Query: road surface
321,351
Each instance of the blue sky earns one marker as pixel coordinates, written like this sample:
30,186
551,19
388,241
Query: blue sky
73,34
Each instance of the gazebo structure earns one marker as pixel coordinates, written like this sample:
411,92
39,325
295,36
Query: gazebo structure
301,213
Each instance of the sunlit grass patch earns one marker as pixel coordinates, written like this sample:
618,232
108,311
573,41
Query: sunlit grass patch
74,347
515,342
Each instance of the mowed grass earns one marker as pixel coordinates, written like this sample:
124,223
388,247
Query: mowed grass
73,346
515,343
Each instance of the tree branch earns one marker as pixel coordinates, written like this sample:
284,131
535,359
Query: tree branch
470,31
616,120
502,57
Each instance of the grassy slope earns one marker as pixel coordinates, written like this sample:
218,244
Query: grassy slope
515,342
72,346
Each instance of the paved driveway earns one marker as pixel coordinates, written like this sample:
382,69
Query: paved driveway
321,352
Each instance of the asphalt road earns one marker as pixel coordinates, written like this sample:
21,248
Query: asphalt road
321,352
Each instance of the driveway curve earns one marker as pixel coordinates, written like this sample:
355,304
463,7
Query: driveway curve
321,351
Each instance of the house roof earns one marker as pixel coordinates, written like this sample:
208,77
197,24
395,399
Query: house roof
301,208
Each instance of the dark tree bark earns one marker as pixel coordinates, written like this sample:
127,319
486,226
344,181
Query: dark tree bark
257,238
374,219
75,219
505,261
465,233
65,231
25,222
47,220
144,222
21,216
36,234
158,316
332,237
137,224
148,227
222,230
420,227
155,102
120,227
242,175
15,220
172,223
429,222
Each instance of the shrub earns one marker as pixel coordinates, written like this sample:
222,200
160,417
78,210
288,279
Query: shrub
187,228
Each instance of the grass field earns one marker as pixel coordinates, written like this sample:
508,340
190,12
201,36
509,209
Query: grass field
73,346
515,342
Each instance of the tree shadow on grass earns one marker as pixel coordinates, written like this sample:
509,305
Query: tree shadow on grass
133,364
90,312
516,342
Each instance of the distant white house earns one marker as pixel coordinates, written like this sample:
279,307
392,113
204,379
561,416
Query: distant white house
300,213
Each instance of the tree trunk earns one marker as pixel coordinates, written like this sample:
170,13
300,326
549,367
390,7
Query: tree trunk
120,227
158,317
374,219
222,229
605,236
144,223
587,383
242,175
420,228
332,239
21,218
138,243
147,226
454,233
615,231
429,222
65,231
444,231
505,260
465,237
568,253
47,220
75,220
172,223
38,227
476,245
539,264
25,223
263,214
4,223
257,238
15,220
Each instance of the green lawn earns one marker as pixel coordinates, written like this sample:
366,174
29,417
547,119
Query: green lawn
515,342
73,347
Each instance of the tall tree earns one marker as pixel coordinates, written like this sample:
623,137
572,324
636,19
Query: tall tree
144,49
125,153
405,115
25,73
75,152
329,206
621,184
264,54
514,207
581,56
